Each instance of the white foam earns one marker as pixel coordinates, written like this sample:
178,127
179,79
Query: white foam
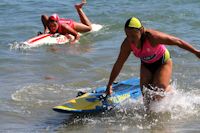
19,45
180,104
96,27
176,105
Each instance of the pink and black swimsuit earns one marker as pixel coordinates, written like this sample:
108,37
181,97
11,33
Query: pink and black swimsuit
69,22
151,57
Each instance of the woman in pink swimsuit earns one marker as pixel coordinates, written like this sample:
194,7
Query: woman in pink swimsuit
54,24
149,46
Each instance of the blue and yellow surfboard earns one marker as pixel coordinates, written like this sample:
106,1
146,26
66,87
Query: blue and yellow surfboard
96,101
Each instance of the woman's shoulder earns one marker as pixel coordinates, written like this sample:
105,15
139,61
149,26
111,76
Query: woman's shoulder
157,37
126,44
151,32
152,35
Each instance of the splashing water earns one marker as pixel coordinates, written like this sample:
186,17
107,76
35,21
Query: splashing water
176,106
19,46
180,104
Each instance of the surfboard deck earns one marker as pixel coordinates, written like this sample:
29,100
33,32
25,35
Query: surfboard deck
47,39
96,101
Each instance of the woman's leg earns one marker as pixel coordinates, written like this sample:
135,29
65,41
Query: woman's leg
145,76
161,79
145,79
85,25
162,76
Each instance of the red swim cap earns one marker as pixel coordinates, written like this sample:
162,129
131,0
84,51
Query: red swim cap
54,17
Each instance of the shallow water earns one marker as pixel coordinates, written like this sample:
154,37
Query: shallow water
32,81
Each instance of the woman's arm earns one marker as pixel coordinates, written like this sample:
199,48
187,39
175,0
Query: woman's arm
68,30
122,57
163,38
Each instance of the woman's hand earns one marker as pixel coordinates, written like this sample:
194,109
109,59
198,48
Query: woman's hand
198,53
76,38
109,90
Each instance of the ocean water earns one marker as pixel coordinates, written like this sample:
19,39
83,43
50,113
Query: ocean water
34,80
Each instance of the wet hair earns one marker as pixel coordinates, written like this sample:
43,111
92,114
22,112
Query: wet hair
127,23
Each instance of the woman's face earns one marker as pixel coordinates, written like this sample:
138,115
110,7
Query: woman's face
53,26
133,35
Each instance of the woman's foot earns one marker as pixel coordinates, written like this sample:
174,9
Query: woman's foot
84,1
79,6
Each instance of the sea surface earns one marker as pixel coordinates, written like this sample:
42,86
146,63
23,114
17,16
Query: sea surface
34,80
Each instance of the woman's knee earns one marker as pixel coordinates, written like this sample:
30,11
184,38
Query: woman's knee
89,28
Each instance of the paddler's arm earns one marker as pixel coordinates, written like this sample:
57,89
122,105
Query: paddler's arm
162,38
69,30
124,53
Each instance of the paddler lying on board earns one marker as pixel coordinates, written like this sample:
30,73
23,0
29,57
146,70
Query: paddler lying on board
156,63
54,24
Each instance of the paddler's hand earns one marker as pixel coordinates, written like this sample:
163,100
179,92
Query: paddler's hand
76,38
198,53
109,90
68,36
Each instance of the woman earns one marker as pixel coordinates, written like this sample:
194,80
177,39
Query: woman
54,24
156,64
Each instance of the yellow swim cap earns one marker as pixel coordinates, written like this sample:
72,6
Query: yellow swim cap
134,23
